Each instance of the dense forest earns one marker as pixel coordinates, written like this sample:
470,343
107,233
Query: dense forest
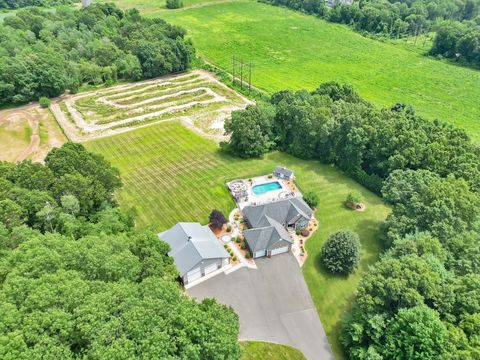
44,53
422,299
456,23
78,281
17,4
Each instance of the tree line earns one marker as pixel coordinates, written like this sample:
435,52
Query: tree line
78,280
335,125
44,53
394,19
17,4
421,300
458,41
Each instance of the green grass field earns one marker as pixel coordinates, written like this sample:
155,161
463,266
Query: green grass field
257,350
292,50
171,174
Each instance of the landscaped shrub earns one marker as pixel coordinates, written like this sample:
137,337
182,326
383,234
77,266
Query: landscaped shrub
311,199
354,198
298,231
248,255
238,239
174,4
305,232
341,252
244,245
270,176
44,102
229,228
234,258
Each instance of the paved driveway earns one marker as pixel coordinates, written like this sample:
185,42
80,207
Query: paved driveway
273,303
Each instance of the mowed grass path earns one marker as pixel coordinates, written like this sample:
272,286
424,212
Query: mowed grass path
171,174
294,51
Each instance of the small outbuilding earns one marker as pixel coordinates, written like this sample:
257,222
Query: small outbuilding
283,173
195,250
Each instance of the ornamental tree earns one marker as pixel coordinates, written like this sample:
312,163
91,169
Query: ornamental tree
341,252
217,219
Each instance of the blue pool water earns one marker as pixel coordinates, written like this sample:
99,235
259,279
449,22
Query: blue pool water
264,188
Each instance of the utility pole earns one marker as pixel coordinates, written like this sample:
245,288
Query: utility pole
233,69
241,74
250,77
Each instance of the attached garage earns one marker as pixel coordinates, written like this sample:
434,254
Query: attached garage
279,250
259,253
193,275
211,268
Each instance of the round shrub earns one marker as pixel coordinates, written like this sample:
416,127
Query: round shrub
298,232
229,228
248,255
234,258
341,252
243,246
174,4
305,232
354,198
44,102
238,239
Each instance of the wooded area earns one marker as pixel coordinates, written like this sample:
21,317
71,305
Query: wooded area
17,4
78,280
44,53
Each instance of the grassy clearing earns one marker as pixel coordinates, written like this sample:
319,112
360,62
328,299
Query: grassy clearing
257,350
170,174
292,50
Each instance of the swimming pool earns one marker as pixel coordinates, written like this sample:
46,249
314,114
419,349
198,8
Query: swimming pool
264,188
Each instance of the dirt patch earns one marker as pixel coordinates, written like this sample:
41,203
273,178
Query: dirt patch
28,132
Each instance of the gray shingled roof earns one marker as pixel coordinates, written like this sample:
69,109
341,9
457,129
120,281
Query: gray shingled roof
268,222
191,243
283,212
266,237
284,171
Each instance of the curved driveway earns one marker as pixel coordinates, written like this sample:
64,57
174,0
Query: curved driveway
273,303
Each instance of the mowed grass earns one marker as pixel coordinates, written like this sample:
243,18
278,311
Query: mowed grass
171,174
292,50
258,350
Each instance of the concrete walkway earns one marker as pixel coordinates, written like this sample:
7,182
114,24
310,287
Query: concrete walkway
273,303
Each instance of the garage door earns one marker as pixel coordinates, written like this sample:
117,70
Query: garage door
194,275
211,268
260,253
279,250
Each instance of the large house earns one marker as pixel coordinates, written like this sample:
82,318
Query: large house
268,224
195,250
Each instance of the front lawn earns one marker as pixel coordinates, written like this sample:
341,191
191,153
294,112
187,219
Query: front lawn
171,174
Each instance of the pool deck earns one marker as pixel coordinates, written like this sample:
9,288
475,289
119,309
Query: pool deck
287,190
